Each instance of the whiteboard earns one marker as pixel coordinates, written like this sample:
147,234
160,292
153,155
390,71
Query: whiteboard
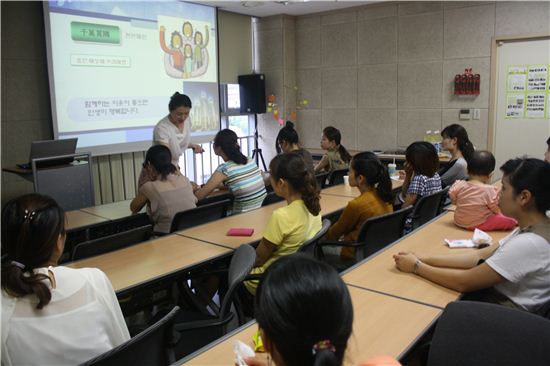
522,118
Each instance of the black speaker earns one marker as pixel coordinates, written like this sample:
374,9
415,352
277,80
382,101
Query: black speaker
252,93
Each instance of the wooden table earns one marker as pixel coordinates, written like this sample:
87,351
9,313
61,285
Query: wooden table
136,265
379,273
215,232
383,325
78,218
349,191
111,211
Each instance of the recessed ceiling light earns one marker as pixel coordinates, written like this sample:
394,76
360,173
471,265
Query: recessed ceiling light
251,4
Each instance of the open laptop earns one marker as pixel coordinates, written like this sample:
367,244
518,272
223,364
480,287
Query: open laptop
48,148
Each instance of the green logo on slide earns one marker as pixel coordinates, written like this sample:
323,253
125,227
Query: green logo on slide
98,33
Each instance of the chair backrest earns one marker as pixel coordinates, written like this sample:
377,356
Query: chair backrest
427,208
309,246
215,198
270,198
380,231
200,215
146,348
322,179
476,333
112,242
103,229
337,177
241,263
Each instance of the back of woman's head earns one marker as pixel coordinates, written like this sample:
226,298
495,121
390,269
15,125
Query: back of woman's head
286,134
160,157
532,175
375,173
227,141
31,227
179,100
301,303
333,134
292,168
423,158
462,140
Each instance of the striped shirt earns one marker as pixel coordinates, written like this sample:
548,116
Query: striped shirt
246,184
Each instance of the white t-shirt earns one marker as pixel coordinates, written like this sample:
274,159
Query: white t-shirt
524,261
82,320
168,134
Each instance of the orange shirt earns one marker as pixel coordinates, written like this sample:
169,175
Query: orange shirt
474,201
358,210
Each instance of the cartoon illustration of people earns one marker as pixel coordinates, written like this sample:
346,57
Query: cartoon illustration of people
175,48
199,46
181,61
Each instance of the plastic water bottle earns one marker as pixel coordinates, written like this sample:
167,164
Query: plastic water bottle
437,140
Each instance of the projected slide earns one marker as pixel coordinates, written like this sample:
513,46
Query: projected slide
114,65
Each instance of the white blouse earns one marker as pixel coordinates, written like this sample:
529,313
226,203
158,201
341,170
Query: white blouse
168,134
82,320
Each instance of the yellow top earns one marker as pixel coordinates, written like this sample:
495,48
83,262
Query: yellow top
287,228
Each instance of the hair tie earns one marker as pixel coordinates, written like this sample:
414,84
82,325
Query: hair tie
17,264
28,215
321,345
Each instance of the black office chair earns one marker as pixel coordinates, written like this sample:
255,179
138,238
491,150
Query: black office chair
117,226
337,177
376,233
150,347
215,198
271,198
322,179
198,329
427,208
200,215
310,246
112,242
481,334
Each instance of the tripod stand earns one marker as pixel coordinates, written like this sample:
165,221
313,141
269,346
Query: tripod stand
257,152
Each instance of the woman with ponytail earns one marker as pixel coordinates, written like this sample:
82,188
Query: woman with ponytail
238,173
337,157
304,312
166,192
456,141
371,177
293,224
288,141
51,315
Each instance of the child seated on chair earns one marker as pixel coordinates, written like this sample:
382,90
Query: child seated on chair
476,200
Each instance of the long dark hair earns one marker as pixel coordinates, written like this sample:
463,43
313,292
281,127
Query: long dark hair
179,100
423,158
376,174
160,157
292,168
301,302
31,226
532,175
227,140
333,134
464,144
288,134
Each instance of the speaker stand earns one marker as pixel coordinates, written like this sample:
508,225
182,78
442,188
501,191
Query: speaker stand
257,152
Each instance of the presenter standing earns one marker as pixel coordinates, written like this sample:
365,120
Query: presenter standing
174,131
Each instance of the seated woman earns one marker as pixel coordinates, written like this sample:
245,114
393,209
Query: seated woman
238,173
371,177
51,315
304,312
517,271
293,224
166,192
288,141
455,140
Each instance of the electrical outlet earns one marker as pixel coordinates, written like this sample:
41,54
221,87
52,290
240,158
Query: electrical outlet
476,113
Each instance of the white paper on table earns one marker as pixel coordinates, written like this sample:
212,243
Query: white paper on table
480,239
242,350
